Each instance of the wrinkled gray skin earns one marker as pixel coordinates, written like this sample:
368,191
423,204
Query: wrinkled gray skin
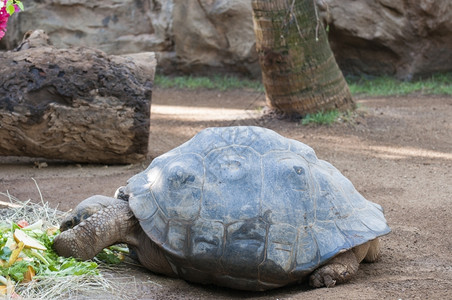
241,207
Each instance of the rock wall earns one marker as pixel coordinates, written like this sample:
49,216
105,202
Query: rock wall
201,36
405,38
112,26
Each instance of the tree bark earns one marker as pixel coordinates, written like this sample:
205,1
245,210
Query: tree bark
75,104
299,71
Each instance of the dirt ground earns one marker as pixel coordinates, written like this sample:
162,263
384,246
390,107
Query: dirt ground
398,153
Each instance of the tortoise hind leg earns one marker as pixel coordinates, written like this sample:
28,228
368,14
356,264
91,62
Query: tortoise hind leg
338,270
344,266
374,251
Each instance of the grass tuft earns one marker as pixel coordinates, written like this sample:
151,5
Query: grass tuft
321,117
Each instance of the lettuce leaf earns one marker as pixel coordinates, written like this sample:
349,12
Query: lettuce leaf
45,263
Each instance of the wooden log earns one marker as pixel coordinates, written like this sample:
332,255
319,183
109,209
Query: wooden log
75,104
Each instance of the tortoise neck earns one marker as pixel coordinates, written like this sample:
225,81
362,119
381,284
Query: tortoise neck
109,226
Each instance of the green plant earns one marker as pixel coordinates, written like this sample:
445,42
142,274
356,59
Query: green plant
7,9
321,117
13,6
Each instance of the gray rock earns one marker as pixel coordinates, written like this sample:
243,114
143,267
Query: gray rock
115,27
404,38
215,35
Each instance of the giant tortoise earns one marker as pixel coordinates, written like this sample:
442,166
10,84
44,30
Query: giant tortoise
241,207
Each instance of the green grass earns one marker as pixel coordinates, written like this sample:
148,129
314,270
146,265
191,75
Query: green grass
331,116
321,118
438,84
216,82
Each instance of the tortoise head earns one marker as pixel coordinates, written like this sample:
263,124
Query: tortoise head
84,210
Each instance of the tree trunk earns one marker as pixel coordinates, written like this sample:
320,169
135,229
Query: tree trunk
75,104
299,71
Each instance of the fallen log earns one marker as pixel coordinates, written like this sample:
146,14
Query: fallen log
75,104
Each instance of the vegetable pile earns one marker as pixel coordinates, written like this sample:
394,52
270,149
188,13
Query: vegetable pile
30,268
26,253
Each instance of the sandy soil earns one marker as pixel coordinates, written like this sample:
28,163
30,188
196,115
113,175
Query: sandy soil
398,153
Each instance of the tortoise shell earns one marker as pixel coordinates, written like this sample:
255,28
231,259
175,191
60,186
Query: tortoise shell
248,208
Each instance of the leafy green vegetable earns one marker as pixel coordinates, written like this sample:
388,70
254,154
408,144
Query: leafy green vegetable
40,255
70,266
108,256
17,270
45,263
5,253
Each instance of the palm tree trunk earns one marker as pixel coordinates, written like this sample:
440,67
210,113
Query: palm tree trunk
299,71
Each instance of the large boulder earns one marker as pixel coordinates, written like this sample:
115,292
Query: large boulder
214,35
405,38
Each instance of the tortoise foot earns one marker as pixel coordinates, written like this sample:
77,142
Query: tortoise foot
339,270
